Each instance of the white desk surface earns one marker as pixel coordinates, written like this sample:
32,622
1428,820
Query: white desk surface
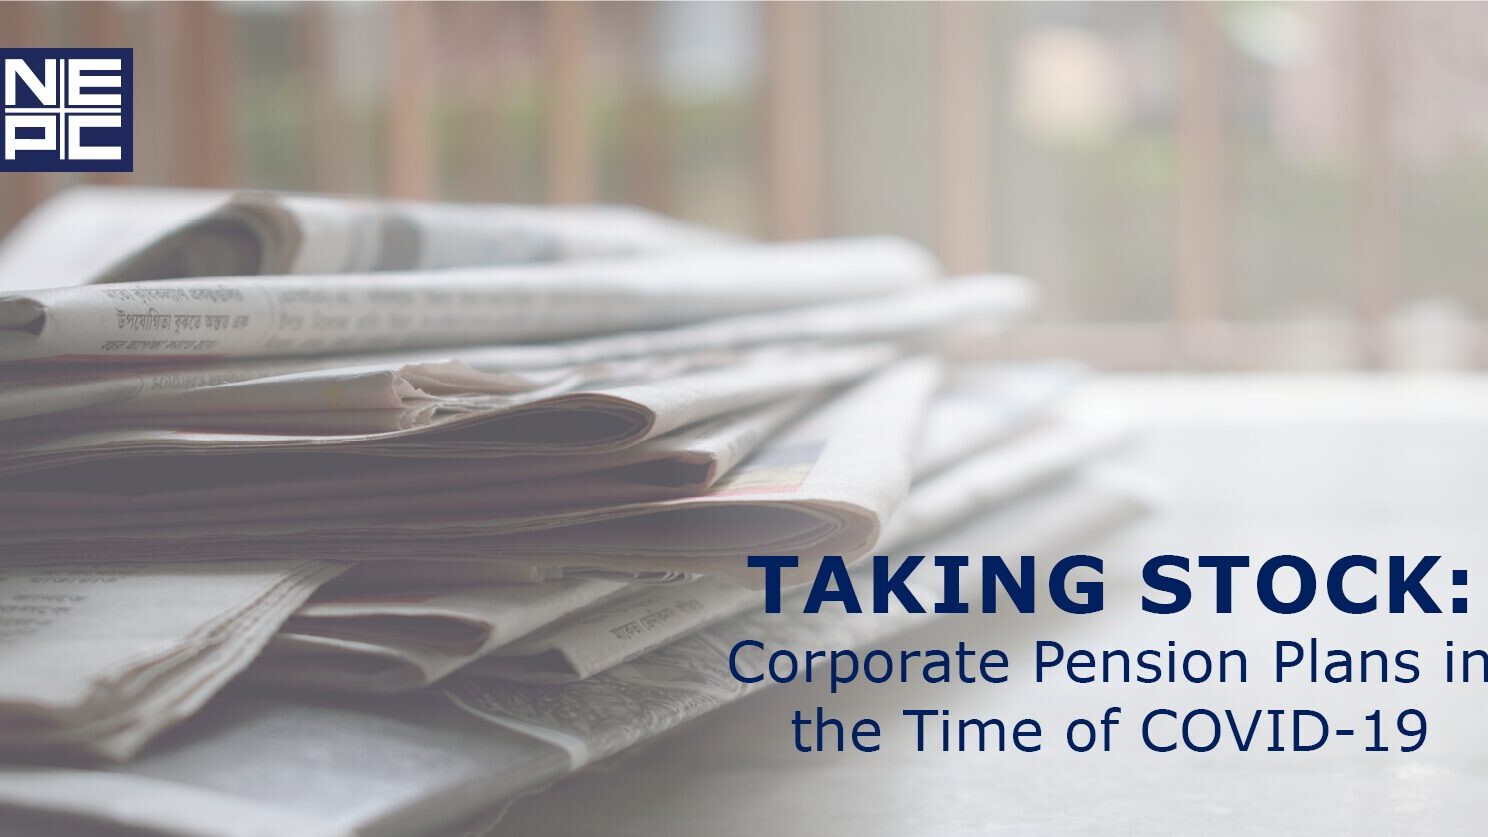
1261,465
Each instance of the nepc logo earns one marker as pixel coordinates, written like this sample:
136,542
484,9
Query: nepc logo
67,110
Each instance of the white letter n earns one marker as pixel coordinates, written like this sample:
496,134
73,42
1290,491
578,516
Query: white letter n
46,91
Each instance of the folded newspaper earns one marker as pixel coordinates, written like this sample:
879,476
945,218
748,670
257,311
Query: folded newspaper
348,313
824,486
98,658
413,764
138,234
918,317
42,251
289,234
613,410
966,459
401,641
687,460
603,636
502,461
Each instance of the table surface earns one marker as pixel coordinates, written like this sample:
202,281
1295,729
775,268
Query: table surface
1261,465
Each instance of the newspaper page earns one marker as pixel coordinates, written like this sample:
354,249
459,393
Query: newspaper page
608,635
600,638
349,386
824,485
602,635
332,401
286,234
568,419
27,390
141,234
401,640
42,251
99,658
996,476
923,315
931,313
406,764
980,407
984,404
684,679
255,764
688,460
395,575
350,313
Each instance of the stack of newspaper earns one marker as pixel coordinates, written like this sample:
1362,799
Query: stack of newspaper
459,495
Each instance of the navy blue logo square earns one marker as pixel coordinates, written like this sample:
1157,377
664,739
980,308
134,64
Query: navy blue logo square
66,110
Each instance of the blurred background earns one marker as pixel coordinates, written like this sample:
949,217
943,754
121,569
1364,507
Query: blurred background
1227,186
